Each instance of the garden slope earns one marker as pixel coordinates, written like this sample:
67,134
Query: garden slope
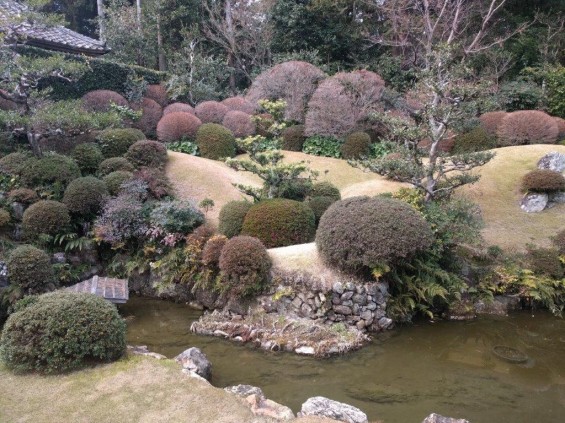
498,194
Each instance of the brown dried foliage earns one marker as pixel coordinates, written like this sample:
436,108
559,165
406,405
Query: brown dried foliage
240,123
490,121
213,249
527,127
178,107
211,111
240,104
561,127
151,114
157,92
177,125
100,100
543,180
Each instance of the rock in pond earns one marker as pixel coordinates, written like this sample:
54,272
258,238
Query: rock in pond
436,418
195,361
325,407
261,406
143,350
553,161
534,202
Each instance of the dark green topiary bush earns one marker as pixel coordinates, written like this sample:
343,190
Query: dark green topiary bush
88,157
30,270
356,145
62,331
114,180
280,222
86,196
245,266
232,216
50,169
215,142
14,163
545,261
147,154
543,180
476,140
361,232
325,189
296,189
293,138
45,217
113,164
5,218
319,205
115,142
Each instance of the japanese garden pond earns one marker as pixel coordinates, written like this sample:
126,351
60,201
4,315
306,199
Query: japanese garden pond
402,376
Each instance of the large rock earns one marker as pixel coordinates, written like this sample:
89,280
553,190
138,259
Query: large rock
553,161
436,418
261,406
195,361
244,391
324,407
534,202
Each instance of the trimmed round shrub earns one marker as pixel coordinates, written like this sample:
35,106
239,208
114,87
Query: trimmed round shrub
213,250
86,196
88,157
178,107
476,140
239,123
115,142
210,111
527,127
151,113
280,222
245,266
157,182
114,180
30,269
4,218
543,180
45,217
356,145
559,241
240,104
101,100
360,233
545,261
176,126
50,169
114,164
63,331
158,93
147,154
231,217
490,121
14,163
561,127
215,142
325,189
319,205
23,195
293,138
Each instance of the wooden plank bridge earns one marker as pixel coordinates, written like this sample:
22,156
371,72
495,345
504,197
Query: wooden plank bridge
113,290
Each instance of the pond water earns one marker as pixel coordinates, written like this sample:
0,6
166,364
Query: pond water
443,367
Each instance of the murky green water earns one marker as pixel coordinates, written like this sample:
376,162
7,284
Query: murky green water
446,367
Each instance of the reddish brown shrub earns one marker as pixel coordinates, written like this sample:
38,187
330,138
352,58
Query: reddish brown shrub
293,82
157,92
100,100
23,195
151,114
178,107
211,111
527,127
543,180
445,145
213,249
561,127
342,102
239,123
293,138
177,125
156,180
240,104
490,121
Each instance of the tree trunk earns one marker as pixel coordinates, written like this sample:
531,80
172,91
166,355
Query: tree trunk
231,40
161,51
101,16
33,139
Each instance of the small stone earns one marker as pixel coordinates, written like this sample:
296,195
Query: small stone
325,407
355,309
553,161
385,322
244,391
372,305
347,303
350,286
436,418
366,315
221,333
372,289
361,325
360,299
305,351
534,202
322,297
379,313
296,303
59,258
336,299
195,361
341,309
338,288
557,198
347,296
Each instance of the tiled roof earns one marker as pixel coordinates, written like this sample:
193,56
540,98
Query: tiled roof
40,35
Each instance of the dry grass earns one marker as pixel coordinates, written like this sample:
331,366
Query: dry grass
498,195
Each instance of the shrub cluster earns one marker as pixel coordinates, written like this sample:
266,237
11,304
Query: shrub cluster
231,217
30,270
5,218
543,180
101,100
147,154
176,217
490,121
319,205
151,113
545,261
210,111
293,138
176,126
86,196
361,233
240,104
280,222
475,140
239,123
157,93
295,189
178,107
561,127
213,250
245,265
115,142
88,157
356,145
527,127
114,180
45,217
114,164
325,189
215,142
13,164
158,183
23,195
62,331
50,169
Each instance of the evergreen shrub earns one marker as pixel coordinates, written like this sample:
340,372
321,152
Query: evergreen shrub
473,141
115,142
147,154
30,270
293,138
45,217
88,157
356,145
231,217
86,196
325,189
114,164
50,169
215,142
114,180
543,180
